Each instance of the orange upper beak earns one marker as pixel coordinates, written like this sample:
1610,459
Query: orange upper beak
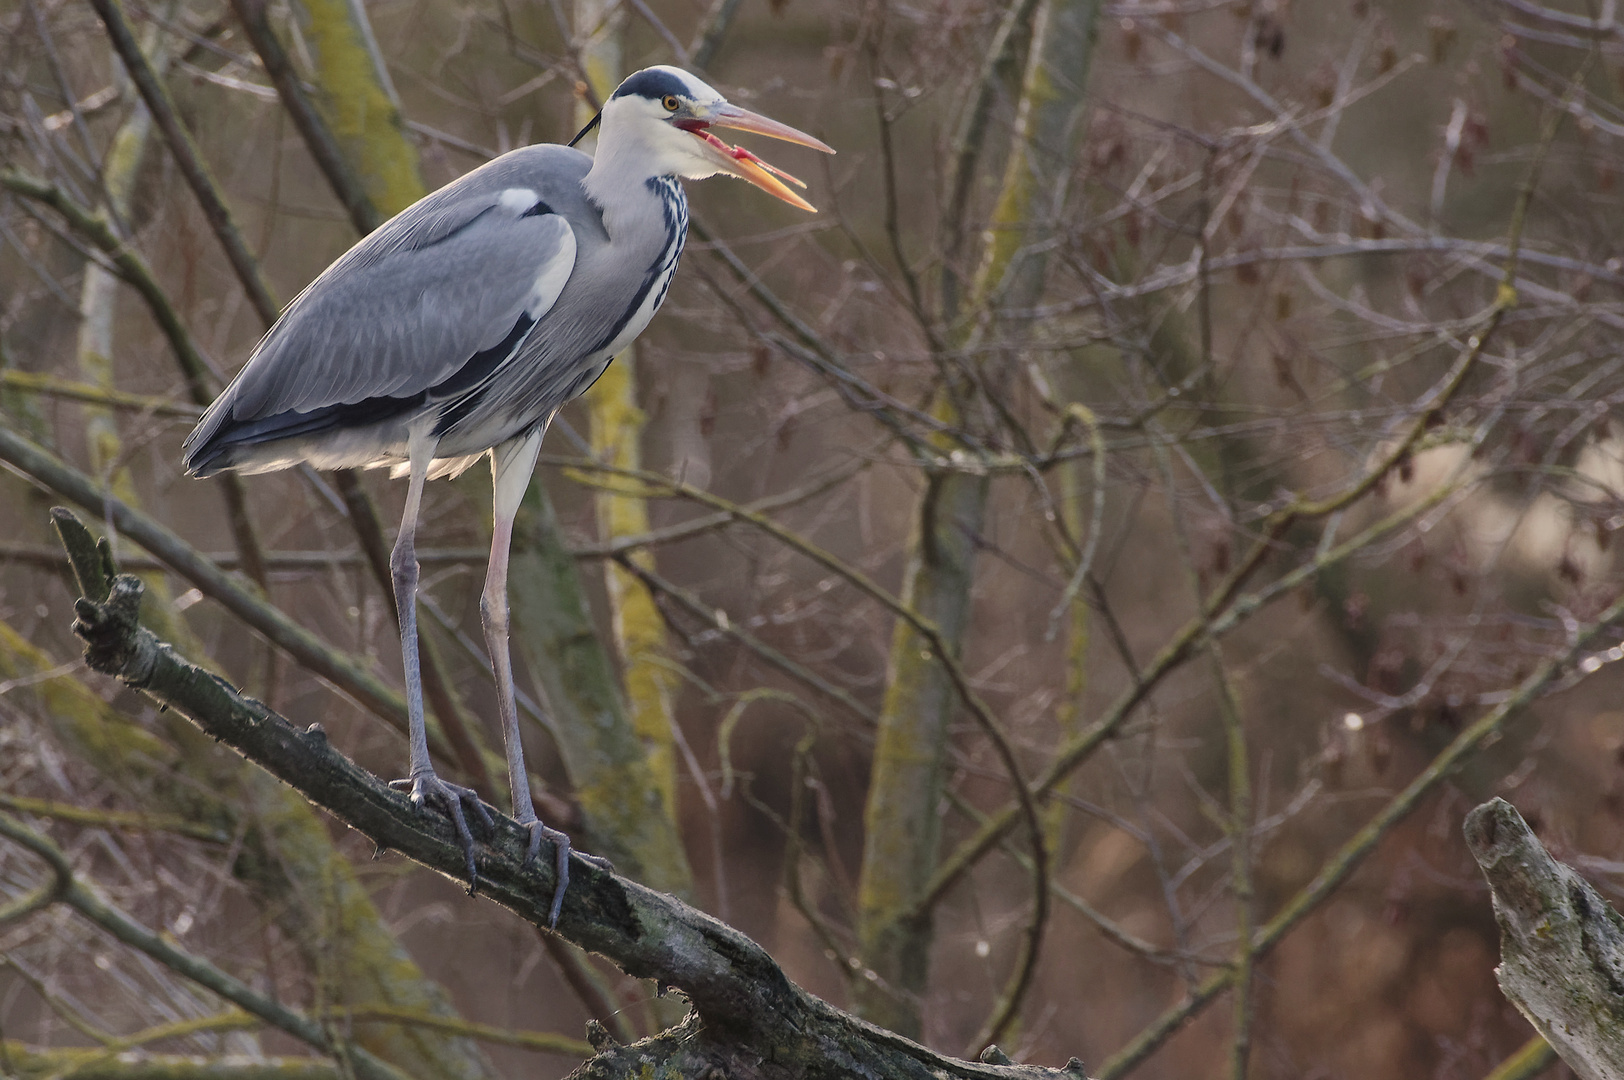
737,161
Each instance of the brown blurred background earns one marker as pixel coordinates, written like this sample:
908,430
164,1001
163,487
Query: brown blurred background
1097,293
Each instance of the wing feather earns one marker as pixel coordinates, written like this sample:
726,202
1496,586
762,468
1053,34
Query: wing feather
403,310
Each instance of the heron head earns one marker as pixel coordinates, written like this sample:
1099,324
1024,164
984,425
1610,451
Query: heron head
661,119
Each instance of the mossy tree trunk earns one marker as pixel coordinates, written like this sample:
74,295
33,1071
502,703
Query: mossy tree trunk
622,809
906,789
358,100
618,424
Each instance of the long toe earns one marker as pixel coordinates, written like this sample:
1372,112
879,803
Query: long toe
450,799
562,850
597,862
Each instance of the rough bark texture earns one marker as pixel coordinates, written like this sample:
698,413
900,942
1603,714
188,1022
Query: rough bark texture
747,1017
1561,944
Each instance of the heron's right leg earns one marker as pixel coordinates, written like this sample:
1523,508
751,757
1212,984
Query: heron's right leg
512,465
422,780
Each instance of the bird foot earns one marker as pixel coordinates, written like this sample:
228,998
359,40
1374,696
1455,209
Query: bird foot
449,799
562,850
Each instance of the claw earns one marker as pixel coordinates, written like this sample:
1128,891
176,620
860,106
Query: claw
562,850
449,799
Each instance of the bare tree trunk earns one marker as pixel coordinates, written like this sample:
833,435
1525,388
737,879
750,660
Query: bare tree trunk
905,791
359,100
622,810
618,424
902,821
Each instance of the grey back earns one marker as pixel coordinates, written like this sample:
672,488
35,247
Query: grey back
428,313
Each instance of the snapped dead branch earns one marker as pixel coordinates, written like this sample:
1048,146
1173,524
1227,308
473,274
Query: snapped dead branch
747,1018
1561,944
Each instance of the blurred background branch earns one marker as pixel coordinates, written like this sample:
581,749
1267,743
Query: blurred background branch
1088,569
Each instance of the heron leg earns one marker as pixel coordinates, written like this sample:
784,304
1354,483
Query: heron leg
512,465
425,786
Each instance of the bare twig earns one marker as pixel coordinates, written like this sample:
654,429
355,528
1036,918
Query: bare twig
188,159
255,18
344,673
712,29
119,925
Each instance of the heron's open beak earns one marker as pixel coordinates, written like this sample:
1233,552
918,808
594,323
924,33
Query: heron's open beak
737,161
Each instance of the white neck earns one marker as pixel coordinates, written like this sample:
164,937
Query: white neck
632,150
615,182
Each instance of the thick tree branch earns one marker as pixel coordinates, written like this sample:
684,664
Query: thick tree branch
744,1007
1561,944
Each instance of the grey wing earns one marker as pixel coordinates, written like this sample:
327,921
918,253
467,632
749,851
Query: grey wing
401,313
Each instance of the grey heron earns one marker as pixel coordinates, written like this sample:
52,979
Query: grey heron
460,327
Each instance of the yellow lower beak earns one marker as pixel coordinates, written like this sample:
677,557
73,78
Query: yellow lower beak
737,161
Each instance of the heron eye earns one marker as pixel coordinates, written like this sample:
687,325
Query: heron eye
670,102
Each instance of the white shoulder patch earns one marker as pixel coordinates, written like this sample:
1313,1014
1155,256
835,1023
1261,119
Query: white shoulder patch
518,199
554,274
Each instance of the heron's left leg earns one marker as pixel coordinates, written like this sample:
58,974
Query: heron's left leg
425,785
512,465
